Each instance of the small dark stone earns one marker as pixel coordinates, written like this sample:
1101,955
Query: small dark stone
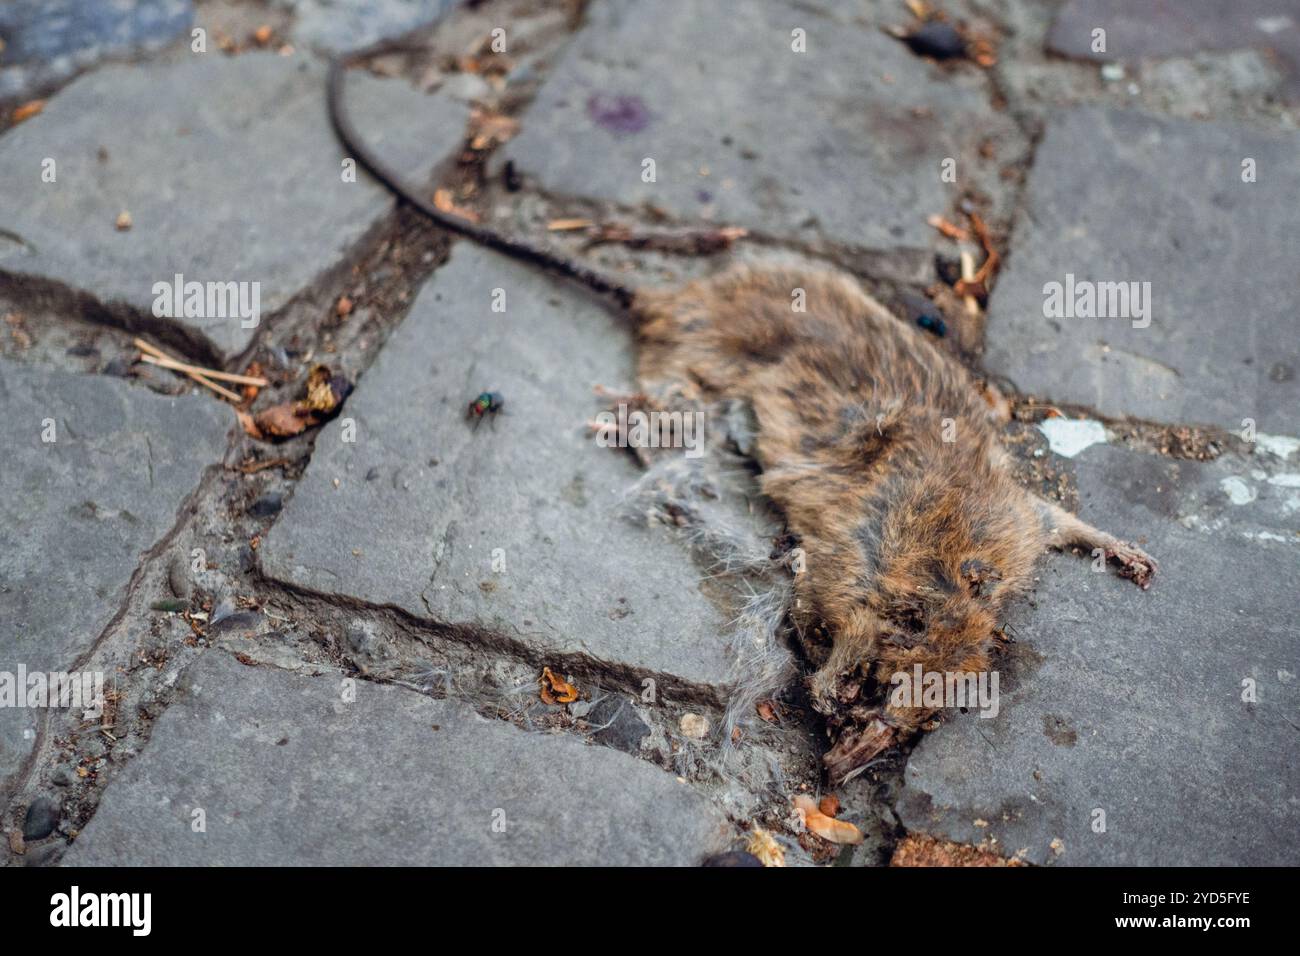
733,858
42,818
267,505
937,39
81,351
626,729
118,368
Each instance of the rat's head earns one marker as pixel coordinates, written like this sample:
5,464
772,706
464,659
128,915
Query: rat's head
937,545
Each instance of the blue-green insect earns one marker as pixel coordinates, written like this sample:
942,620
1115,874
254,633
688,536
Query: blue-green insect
487,403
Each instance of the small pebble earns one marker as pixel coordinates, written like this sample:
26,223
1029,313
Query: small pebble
734,858
267,505
937,39
178,577
694,726
42,818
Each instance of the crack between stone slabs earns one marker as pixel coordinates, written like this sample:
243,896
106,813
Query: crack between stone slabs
1224,439
39,292
184,512
626,677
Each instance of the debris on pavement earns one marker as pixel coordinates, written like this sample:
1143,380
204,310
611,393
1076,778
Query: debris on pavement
920,850
26,111
694,726
764,846
825,826
556,690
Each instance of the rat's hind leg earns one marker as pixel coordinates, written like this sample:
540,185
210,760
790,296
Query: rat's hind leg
1066,530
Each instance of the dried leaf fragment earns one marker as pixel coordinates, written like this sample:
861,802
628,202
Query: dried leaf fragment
556,690
442,199
920,850
951,230
568,225
27,111
325,391
828,828
283,420
488,130
248,425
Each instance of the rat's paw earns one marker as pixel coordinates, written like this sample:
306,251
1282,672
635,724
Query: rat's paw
1134,563
823,687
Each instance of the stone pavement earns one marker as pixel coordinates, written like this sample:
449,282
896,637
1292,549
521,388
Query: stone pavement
95,473
265,759
198,212
1217,345
350,672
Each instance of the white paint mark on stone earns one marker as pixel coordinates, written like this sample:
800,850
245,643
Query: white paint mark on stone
1238,492
1069,436
1270,536
1286,480
1272,25
1282,446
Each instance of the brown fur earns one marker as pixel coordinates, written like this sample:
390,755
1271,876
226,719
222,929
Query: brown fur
912,544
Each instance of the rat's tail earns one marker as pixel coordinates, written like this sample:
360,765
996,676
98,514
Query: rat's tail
353,142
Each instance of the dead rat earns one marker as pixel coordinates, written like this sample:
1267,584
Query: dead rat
879,448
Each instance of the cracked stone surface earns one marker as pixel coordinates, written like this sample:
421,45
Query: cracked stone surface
244,182
1221,345
843,142
46,41
1155,28
423,499
288,774
335,26
1131,702
78,512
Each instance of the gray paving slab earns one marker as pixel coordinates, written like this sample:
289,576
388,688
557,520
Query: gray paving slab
1122,197
286,773
47,41
1157,28
1130,703
335,26
843,142
415,512
77,513
229,171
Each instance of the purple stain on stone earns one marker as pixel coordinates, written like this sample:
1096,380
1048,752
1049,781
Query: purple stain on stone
621,114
